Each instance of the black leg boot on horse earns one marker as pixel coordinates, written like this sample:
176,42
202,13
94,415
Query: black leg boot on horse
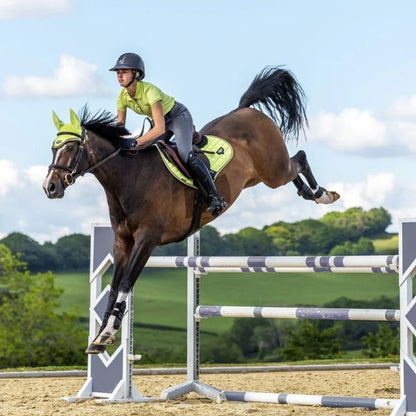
203,179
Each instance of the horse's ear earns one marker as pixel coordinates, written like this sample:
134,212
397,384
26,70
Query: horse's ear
74,118
58,123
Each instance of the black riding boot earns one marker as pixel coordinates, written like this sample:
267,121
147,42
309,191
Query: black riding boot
203,179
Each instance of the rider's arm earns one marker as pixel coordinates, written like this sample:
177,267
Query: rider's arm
121,117
159,125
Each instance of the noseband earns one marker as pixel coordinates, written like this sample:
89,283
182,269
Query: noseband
72,175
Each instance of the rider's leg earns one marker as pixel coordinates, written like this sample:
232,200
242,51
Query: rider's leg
203,178
180,122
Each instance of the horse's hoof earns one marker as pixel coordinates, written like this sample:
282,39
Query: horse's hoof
105,339
95,349
322,196
335,195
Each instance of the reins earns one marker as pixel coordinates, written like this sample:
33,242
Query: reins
72,175
91,168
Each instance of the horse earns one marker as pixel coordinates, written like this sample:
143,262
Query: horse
148,207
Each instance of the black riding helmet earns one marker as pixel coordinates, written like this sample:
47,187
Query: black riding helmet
130,61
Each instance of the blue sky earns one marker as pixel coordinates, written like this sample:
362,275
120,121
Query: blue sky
354,59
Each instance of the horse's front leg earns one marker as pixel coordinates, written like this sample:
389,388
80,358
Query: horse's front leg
121,253
117,303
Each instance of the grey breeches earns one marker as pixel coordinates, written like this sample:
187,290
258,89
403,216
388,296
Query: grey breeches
179,120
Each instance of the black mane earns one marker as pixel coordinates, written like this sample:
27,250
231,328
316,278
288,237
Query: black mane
104,124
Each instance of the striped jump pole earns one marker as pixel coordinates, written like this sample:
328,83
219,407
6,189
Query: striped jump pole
366,264
310,400
299,270
208,311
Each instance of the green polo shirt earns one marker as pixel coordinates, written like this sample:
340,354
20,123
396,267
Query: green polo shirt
146,95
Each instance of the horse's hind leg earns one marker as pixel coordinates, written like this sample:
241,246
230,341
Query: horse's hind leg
303,189
313,192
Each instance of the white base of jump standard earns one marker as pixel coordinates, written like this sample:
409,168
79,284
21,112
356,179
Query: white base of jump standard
202,389
116,396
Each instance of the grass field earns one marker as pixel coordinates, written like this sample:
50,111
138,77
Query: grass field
160,297
386,244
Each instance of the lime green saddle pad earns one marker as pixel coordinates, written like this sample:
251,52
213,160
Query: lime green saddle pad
217,150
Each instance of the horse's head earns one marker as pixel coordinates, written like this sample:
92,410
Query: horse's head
68,151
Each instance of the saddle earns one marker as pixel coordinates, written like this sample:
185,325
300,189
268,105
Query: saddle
170,150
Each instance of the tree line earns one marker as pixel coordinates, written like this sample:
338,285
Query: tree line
32,333
69,253
336,233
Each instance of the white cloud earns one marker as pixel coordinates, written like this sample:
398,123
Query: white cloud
13,9
73,77
35,174
258,206
404,134
390,132
26,209
374,191
403,109
351,130
9,176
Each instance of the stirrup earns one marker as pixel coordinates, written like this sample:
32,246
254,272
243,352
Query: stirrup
215,205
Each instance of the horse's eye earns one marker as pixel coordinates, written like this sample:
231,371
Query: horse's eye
71,148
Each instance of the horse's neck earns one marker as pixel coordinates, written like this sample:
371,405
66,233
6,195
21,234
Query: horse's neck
119,173
99,150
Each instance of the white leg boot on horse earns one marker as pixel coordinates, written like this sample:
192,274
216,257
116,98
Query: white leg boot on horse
107,334
313,192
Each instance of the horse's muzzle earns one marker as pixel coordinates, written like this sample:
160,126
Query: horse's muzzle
53,188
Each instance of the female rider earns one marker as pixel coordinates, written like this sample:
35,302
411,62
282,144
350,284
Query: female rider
167,114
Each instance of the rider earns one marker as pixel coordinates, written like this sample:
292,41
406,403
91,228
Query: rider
167,114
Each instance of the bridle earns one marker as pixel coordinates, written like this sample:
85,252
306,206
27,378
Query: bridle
72,175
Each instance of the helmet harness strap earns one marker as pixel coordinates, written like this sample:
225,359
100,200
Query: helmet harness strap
134,71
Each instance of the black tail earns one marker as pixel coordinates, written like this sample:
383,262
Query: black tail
277,91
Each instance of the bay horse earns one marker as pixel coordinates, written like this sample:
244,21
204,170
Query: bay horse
148,207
